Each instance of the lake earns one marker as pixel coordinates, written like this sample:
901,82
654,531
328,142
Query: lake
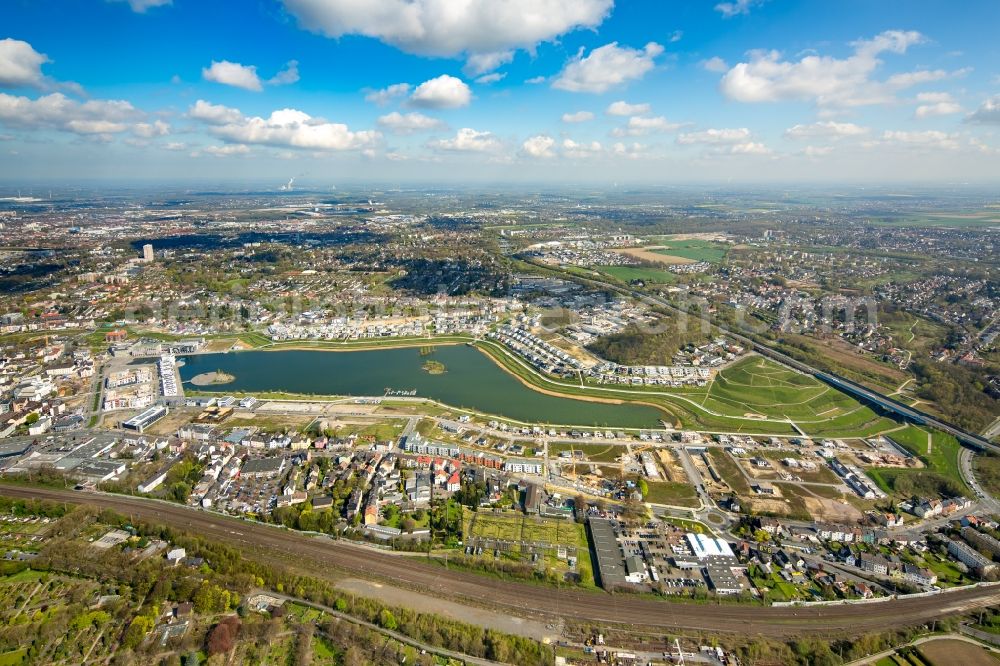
471,380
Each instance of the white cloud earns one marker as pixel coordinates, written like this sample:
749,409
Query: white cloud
56,111
630,151
479,63
715,136
487,79
750,148
539,147
641,125
917,77
623,108
232,74
443,92
577,117
485,30
715,64
20,64
676,36
385,95
575,150
150,130
174,145
409,123
227,150
468,140
987,114
925,139
737,7
936,104
290,74
826,80
214,114
934,97
140,6
606,67
827,128
288,128
535,80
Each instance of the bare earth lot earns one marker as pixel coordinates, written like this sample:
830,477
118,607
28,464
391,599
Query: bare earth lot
648,254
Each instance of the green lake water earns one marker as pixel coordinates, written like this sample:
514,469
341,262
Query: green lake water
472,380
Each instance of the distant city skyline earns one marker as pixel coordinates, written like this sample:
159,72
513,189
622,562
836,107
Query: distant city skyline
547,91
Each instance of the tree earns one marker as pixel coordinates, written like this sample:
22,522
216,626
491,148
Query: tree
222,638
387,620
136,631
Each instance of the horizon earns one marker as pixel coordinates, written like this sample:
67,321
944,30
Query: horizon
754,91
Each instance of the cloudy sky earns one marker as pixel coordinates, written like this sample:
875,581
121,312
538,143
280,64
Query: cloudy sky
504,90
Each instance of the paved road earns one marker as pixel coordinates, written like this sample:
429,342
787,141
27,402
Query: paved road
965,465
324,558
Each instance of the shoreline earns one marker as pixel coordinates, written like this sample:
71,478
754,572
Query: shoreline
422,342
569,396
348,347
212,379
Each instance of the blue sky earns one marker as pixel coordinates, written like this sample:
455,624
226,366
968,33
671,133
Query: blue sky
533,90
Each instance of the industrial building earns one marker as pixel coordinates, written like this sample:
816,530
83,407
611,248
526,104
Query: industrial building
141,421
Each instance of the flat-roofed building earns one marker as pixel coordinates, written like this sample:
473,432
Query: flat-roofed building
610,564
262,467
141,421
704,546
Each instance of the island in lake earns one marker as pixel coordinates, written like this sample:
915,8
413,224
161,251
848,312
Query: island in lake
210,378
434,367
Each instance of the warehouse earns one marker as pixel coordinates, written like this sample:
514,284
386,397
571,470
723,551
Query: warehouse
610,567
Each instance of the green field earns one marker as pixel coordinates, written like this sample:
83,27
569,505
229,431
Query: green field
628,273
755,386
944,450
667,492
696,250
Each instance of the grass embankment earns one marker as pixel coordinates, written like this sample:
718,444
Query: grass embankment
940,460
742,401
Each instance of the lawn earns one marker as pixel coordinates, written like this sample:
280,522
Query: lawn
628,273
696,250
323,651
13,657
677,494
944,450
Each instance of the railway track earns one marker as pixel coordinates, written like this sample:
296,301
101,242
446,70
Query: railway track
333,559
